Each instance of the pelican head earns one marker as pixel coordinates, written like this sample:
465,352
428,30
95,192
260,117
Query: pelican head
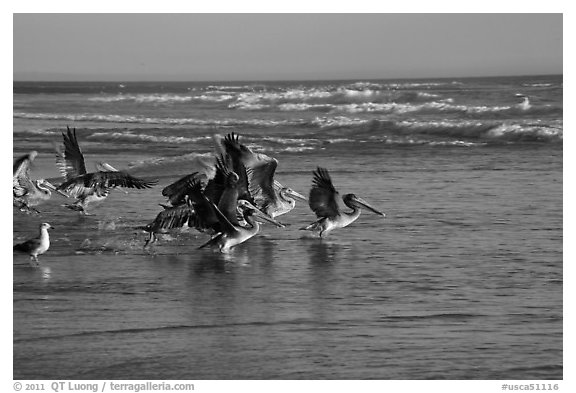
249,210
32,155
354,202
290,193
45,186
232,179
105,167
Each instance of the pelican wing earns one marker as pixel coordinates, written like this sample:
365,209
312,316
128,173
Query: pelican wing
234,148
71,161
261,183
22,186
171,217
242,153
116,179
204,216
21,174
322,198
176,191
101,182
22,164
216,185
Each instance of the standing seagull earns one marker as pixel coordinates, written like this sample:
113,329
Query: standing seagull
28,192
38,245
93,186
323,202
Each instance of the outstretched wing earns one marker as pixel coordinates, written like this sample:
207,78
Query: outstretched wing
103,181
204,216
71,160
176,191
322,198
261,183
21,174
170,218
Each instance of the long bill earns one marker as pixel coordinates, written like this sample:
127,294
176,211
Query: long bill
258,213
365,204
52,188
296,195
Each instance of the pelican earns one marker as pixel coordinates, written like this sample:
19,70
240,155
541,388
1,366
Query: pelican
38,245
180,211
94,186
269,195
218,205
169,218
323,202
28,192
231,235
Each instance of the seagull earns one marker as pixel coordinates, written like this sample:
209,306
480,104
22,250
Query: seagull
27,192
94,186
38,245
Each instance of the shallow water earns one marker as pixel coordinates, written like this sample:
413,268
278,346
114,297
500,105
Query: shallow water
461,280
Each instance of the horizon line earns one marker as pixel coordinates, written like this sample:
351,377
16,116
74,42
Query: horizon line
116,80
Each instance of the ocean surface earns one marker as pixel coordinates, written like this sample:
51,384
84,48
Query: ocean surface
461,280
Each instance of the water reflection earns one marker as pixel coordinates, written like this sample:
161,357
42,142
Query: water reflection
324,256
323,252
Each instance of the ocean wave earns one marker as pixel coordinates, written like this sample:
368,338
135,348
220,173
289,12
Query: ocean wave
452,132
143,98
129,136
526,133
134,119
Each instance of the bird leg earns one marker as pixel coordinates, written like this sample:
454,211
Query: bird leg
150,240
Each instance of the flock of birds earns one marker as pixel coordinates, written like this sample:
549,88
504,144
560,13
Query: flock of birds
228,202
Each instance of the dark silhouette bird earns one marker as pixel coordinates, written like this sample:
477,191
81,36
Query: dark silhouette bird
179,210
322,201
38,245
88,187
268,195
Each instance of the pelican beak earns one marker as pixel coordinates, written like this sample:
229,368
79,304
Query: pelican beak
52,188
296,195
258,213
265,217
365,204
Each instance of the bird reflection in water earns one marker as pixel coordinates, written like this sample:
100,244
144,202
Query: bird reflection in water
322,253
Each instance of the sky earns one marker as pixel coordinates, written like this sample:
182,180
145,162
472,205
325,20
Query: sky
282,46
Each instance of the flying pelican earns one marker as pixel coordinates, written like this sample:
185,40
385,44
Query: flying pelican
269,195
94,186
218,205
323,202
180,211
38,245
26,192
231,235
169,218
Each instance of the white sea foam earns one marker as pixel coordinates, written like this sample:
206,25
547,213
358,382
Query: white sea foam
145,137
144,98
